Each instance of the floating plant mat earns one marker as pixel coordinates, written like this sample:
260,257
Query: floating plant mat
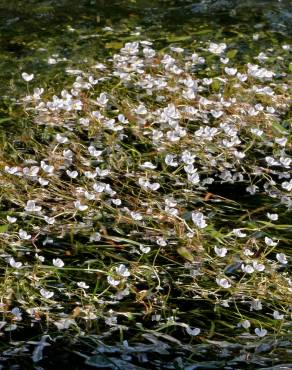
146,199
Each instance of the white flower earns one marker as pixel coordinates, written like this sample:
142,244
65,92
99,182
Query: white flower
122,119
16,313
285,161
95,237
27,77
278,316
68,154
24,235
89,196
113,281
94,152
14,264
245,324
190,169
31,171
193,332
258,266
247,268
63,324
99,187
131,48
141,110
223,283
40,258
145,184
46,294
269,242
252,112
117,202
271,161
248,252
90,175
217,48
281,257
239,233
52,61
72,174
148,165
156,136
270,110
281,141
155,317
161,241
102,100
170,160
42,181
79,206
47,168
198,220
136,216
11,220
170,202
287,185
273,216
241,76
259,107
102,173
171,211
224,60
207,81
260,332
230,71
256,132
123,271
49,220
216,113
144,249
221,252
82,284
31,207
252,189
187,157
62,139
154,186
57,262
256,304
193,177
11,170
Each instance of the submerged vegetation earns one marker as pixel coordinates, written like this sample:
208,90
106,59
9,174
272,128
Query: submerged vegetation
146,210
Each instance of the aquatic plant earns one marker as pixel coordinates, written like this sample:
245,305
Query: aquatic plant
133,213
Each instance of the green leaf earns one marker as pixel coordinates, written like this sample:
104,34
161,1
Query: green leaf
3,228
277,126
215,85
2,120
174,38
231,53
185,253
113,45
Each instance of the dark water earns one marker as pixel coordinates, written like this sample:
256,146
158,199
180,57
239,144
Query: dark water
32,31
80,32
